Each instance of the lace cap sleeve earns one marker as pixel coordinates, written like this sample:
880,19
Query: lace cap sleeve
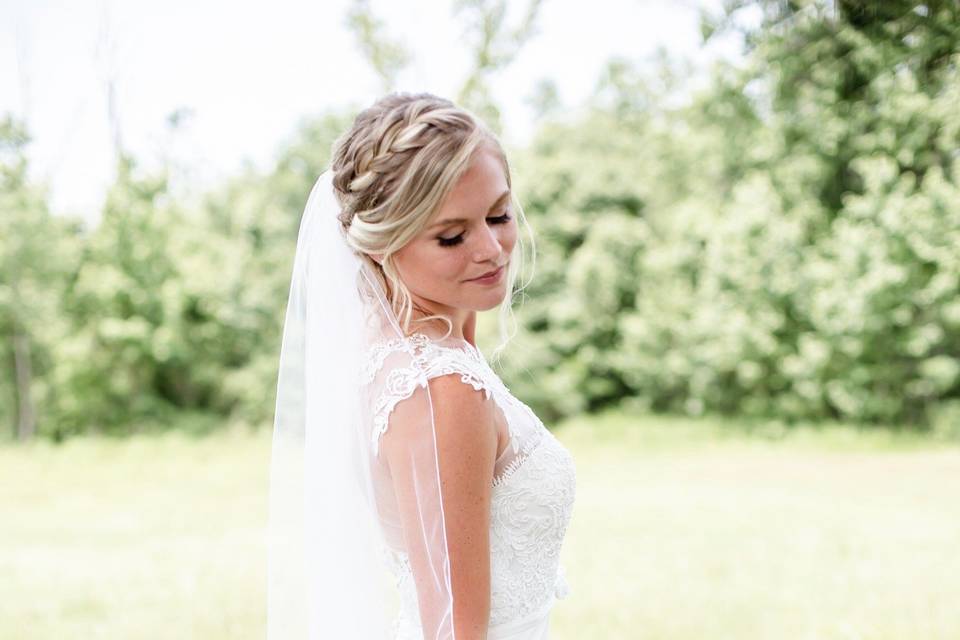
397,368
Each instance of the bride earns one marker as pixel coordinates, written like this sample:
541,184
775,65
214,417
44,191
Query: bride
412,495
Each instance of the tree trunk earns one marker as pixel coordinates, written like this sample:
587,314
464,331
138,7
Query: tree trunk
26,419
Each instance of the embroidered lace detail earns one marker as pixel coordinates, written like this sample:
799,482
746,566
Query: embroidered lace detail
530,511
529,517
532,497
429,361
509,470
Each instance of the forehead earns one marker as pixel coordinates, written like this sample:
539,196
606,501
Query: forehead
479,186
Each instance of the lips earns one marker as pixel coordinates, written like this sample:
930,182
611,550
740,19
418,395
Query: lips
488,274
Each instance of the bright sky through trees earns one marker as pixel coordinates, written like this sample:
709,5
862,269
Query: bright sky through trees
241,74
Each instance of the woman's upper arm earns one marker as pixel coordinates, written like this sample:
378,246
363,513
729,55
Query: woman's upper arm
465,440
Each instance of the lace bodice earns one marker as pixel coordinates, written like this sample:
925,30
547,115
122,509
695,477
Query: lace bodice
532,488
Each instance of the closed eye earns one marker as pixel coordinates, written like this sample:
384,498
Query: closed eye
457,239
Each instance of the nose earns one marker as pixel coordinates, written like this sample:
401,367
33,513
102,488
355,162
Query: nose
488,247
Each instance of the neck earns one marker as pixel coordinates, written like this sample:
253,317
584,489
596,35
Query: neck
464,321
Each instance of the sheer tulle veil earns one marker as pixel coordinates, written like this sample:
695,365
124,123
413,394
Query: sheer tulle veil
330,546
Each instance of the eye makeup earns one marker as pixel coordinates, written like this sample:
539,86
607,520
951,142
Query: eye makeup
457,239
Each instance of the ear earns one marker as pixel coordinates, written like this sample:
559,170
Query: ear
377,257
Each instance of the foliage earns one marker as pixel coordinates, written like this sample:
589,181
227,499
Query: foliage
784,245
36,252
494,45
387,57
780,242
176,308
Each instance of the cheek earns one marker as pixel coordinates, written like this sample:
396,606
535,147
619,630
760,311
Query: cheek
508,237
449,264
427,267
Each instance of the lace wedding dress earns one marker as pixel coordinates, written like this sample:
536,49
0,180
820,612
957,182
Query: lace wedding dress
532,489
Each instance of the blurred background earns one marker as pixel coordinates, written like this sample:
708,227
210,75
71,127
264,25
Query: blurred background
744,319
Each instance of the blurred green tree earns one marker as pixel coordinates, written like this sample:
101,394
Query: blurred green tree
780,245
494,46
778,241
387,56
37,252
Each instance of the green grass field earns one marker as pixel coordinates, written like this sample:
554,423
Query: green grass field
682,529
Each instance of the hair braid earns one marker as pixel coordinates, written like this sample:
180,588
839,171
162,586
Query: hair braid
400,136
391,172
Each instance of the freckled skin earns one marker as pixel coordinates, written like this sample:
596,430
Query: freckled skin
467,437
437,276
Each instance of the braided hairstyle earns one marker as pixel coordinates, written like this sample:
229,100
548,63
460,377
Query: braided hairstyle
392,171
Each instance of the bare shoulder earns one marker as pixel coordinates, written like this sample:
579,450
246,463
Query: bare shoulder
451,396
465,422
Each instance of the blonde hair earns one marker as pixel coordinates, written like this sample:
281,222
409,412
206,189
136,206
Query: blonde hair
391,172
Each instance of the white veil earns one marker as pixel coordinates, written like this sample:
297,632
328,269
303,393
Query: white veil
342,521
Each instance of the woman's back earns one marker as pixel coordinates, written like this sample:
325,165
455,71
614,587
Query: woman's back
532,485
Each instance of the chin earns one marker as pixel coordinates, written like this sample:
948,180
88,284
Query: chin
487,307
490,302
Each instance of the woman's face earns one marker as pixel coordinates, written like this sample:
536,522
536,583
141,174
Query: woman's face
471,235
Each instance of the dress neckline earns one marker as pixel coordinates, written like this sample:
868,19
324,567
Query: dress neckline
421,339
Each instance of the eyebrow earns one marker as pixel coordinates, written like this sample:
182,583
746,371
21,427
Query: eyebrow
499,201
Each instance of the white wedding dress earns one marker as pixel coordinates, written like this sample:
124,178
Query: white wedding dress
532,492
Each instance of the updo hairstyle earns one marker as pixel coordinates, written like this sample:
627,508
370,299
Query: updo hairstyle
393,169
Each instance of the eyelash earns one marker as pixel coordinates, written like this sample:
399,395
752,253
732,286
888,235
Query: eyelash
457,239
